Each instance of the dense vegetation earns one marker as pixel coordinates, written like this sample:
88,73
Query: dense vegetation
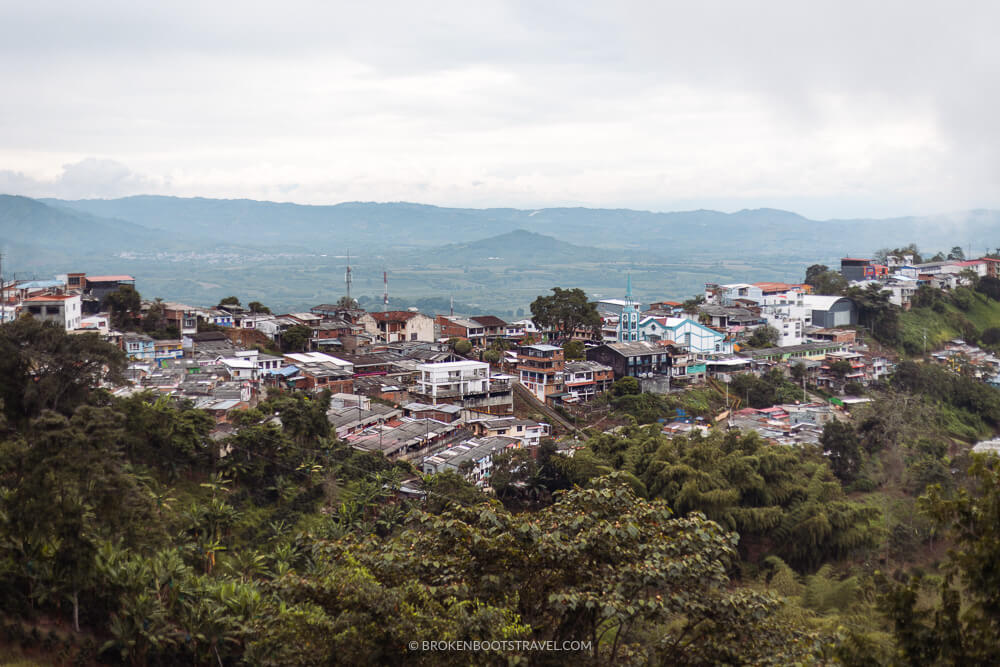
129,535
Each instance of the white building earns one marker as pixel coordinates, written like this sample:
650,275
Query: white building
788,314
528,432
790,329
265,363
520,329
726,295
241,368
62,309
453,379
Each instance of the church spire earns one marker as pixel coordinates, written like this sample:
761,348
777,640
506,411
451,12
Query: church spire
628,320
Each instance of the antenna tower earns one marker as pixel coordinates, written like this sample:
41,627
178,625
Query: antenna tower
385,292
347,277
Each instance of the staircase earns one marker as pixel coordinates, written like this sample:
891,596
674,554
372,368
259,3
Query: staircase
532,400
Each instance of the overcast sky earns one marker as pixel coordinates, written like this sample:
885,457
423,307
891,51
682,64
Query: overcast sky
829,109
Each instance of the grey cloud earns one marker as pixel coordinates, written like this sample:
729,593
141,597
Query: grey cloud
209,88
88,178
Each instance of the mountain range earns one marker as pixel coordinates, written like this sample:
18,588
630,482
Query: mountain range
201,247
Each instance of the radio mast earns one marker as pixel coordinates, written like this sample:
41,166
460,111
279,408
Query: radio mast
347,277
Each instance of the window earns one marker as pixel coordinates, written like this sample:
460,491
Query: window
413,336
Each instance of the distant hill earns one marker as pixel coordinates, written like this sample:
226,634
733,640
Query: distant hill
292,255
401,227
518,247
32,229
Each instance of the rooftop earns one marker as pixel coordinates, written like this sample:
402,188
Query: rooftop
543,348
394,316
489,321
637,348
110,279
52,297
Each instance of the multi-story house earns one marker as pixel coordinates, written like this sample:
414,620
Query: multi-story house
521,329
64,310
493,327
790,328
643,359
398,325
540,369
527,431
460,327
95,288
586,379
183,318
465,383
167,349
139,347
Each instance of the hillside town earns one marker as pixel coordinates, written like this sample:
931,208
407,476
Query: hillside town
448,392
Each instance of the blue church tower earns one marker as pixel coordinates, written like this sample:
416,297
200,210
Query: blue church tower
628,322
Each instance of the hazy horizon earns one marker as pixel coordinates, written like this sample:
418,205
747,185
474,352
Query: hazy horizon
727,211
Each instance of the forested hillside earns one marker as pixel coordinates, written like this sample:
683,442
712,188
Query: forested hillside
129,536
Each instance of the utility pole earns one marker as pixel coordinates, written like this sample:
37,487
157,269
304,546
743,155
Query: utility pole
925,341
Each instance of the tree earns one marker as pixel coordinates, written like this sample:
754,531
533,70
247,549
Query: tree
956,253
625,386
691,305
876,312
346,303
229,301
961,627
841,446
124,305
989,286
600,566
44,368
68,491
573,350
764,336
566,311
825,281
296,338
164,434
461,346
815,270
258,307
798,371
970,277
990,336
154,319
